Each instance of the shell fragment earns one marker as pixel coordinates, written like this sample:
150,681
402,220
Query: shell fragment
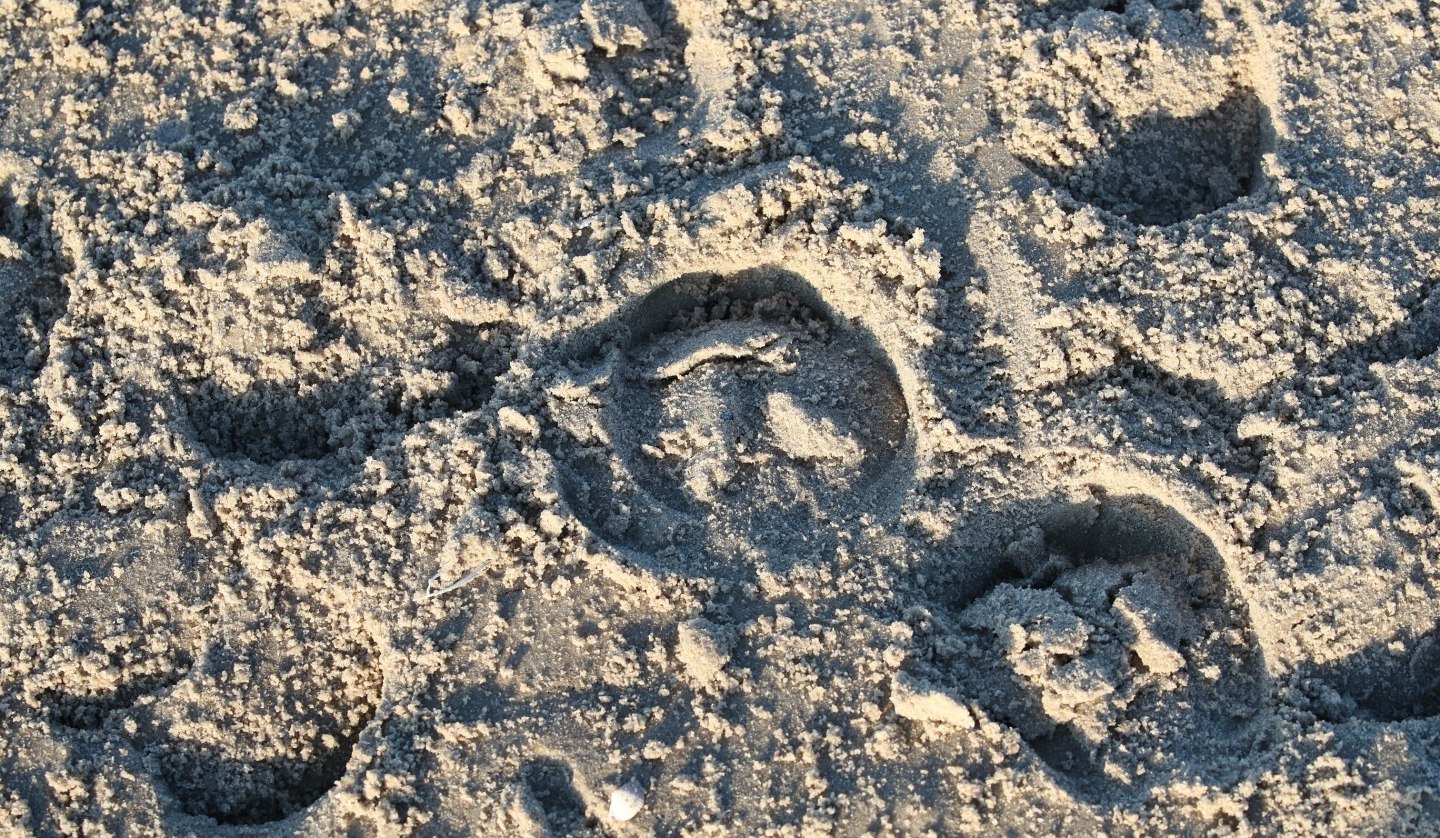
627,801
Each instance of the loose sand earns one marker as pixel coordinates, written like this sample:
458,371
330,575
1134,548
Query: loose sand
691,417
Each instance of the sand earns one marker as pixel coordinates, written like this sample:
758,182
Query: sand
685,417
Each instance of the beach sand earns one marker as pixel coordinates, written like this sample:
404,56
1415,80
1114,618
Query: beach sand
686,417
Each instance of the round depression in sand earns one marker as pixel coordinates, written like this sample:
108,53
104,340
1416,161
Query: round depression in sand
747,389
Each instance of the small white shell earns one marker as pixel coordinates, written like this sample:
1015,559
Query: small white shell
627,801
436,587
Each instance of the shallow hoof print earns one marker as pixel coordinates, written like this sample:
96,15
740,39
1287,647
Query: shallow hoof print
310,416
267,724
739,405
1384,686
33,293
1125,659
1049,13
735,387
30,306
98,689
1163,169
125,626
551,801
265,424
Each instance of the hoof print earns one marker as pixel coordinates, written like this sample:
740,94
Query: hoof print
264,730
467,360
91,690
126,629
268,423
29,307
551,788
314,417
1128,630
740,403
1162,169
33,294
114,685
1049,13
733,389
1388,687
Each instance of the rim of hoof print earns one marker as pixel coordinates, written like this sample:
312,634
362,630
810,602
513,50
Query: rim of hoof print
1119,647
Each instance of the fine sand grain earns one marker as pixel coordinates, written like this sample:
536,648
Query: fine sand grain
719,417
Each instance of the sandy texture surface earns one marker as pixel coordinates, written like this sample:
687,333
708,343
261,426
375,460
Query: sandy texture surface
690,417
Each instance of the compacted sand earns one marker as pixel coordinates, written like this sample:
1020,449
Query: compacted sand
801,418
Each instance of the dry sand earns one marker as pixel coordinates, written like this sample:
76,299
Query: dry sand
690,417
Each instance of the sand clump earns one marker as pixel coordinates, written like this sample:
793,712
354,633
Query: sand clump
719,418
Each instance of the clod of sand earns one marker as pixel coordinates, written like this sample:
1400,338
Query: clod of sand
703,648
726,342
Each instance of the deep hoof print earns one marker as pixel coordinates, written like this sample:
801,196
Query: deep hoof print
312,417
743,406
1161,169
1142,110
465,363
264,729
269,423
1125,660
